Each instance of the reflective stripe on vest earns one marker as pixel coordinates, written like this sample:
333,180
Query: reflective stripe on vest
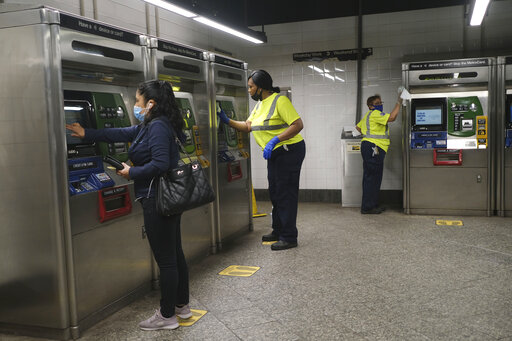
266,123
368,135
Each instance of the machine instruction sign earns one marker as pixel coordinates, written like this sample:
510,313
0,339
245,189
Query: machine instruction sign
452,64
229,62
180,50
99,29
341,55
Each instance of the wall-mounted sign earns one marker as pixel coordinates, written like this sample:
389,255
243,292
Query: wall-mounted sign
350,54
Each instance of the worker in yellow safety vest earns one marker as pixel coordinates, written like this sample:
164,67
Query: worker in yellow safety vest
374,146
276,125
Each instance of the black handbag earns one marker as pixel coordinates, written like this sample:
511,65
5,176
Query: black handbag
183,188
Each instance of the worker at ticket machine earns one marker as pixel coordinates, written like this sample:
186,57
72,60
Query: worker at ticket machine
374,146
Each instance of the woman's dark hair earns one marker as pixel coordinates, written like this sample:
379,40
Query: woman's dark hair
165,102
263,80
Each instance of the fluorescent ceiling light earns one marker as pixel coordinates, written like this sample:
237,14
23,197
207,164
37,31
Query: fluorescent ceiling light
340,79
479,10
172,8
226,29
337,69
329,76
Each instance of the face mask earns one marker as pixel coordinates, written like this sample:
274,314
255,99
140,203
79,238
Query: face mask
378,107
137,111
256,96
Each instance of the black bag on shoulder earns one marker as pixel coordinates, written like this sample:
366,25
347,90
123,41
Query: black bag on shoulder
183,188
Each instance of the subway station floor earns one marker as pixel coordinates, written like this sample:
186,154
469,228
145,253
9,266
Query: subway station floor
353,277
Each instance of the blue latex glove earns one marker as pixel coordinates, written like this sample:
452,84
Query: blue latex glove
267,152
223,117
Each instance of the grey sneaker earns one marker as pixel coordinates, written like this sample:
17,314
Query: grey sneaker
157,321
183,312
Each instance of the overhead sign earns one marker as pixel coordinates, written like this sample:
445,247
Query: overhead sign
341,55
451,64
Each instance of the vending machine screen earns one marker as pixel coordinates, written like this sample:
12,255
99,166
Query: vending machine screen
429,116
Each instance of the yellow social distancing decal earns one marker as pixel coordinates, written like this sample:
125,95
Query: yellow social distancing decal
449,222
239,271
196,315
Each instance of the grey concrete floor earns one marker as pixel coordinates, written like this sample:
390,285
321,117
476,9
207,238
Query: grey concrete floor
353,277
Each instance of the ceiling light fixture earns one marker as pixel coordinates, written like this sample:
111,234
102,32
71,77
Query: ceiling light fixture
479,9
173,8
178,10
226,29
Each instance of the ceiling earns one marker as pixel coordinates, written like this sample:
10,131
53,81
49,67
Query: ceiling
244,13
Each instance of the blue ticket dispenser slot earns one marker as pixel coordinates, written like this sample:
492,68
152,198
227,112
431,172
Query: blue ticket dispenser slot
428,140
87,175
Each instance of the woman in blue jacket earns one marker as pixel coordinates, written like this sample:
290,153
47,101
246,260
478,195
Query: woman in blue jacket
154,151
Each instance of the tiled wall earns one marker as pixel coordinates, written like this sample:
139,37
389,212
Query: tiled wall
326,104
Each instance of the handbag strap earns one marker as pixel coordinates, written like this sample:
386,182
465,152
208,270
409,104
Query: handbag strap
180,145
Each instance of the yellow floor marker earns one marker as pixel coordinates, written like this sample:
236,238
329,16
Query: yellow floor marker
239,271
196,315
255,213
449,222
269,243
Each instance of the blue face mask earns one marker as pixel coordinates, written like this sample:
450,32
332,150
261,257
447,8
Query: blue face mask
137,112
378,107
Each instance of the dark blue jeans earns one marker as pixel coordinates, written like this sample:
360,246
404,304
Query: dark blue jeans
164,235
283,187
373,167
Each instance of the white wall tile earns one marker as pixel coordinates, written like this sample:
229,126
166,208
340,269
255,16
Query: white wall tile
325,105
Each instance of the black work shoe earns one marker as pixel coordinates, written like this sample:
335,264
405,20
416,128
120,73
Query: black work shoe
375,210
282,245
270,237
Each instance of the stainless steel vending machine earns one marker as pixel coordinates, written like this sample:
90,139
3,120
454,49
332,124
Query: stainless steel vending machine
232,164
186,68
448,137
71,239
504,136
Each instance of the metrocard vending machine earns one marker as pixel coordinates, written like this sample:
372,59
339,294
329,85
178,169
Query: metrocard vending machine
228,81
72,241
186,68
448,140
504,136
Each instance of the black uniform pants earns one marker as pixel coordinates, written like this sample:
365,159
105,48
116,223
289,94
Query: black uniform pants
164,235
283,187
373,167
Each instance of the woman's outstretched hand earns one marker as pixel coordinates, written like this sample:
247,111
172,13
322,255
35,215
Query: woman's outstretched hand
77,130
